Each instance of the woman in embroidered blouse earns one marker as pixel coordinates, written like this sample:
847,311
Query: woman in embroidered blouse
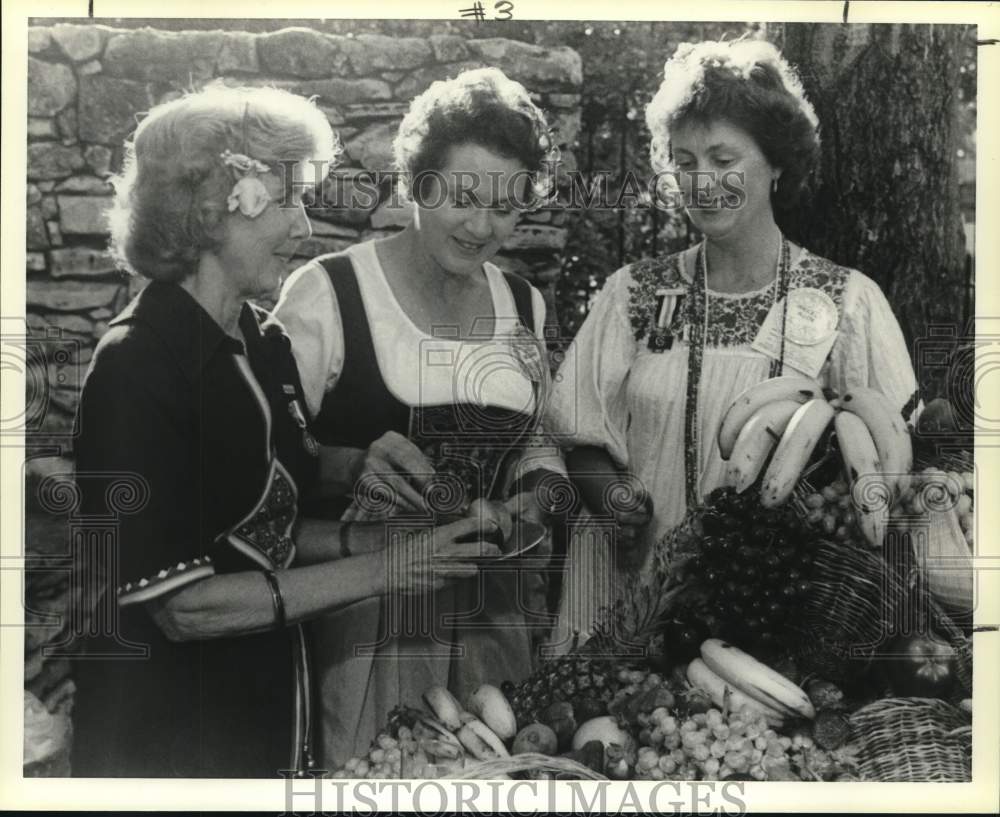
670,342
188,431
397,334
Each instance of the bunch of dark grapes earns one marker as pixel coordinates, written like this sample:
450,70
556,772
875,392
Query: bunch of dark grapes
753,567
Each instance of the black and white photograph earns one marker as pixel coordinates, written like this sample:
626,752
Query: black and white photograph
595,407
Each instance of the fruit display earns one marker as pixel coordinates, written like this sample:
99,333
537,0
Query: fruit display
774,620
775,431
828,511
751,566
585,683
724,715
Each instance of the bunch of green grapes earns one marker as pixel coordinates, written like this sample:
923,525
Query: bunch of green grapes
709,746
383,761
815,763
633,682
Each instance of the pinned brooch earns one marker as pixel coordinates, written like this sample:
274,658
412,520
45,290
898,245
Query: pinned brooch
249,193
527,352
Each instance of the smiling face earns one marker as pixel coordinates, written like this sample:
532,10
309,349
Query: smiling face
469,208
254,252
726,152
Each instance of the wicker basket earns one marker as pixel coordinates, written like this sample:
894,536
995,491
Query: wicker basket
854,598
913,740
561,767
959,641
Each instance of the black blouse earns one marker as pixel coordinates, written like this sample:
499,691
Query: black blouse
208,427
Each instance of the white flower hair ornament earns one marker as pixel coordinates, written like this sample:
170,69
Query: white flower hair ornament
249,194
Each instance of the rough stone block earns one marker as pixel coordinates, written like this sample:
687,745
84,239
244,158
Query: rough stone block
84,215
376,110
67,125
69,296
369,53
238,53
302,52
538,68
161,56
85,184
108,107
98,159
348,199
36,236
564,101
372,148
50,209
79,43
51,87
67,324
338,91
40,127
449,47
89,68
81,262
39,39
333,115
55,233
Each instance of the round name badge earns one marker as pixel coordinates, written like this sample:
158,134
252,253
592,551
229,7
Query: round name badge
811,317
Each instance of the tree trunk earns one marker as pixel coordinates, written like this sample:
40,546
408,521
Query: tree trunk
886,197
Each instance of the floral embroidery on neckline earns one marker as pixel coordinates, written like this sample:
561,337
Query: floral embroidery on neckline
733,320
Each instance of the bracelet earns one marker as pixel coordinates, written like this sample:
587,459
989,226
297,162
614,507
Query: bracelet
529,482
345,550
280,620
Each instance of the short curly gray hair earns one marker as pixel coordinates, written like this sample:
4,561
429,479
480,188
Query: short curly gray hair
173,187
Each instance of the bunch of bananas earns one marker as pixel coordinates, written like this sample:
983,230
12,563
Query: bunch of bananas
774,426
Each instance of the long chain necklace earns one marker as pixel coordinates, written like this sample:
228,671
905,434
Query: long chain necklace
697,324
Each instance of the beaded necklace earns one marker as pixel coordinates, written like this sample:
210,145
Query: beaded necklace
696,320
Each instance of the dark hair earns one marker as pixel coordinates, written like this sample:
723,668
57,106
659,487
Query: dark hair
481,107
748,84
174,185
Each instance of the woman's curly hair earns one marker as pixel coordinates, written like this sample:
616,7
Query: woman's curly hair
171,193
749,84
483,107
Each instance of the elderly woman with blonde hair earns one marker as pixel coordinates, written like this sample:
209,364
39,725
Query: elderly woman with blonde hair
193,395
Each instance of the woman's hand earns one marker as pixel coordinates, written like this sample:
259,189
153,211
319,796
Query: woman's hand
525,506
630,506
426,559
393,468
609,491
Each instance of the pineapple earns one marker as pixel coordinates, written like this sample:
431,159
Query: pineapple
587,683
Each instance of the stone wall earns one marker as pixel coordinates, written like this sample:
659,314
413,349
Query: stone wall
86,84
